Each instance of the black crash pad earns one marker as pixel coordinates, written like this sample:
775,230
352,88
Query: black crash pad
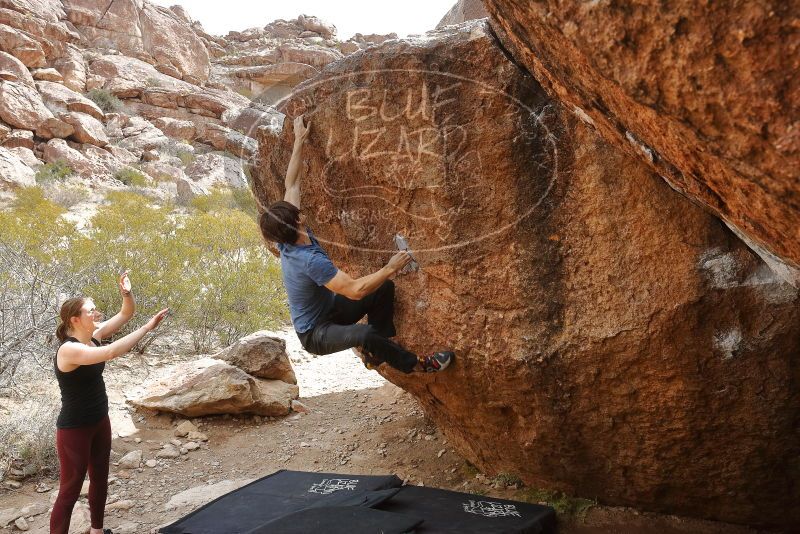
451,512
293,502
275,496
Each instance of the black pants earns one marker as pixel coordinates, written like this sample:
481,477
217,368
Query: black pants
337,331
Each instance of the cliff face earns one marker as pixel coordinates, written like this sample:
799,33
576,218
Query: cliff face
706,92
613,339
166,87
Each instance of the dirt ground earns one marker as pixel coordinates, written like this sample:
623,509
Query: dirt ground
357,424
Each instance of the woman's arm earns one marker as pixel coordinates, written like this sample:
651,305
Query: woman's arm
74,354
111,326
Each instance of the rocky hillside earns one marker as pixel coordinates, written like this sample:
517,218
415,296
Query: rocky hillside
613,338
103,88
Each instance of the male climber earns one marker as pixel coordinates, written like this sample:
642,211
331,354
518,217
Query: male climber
325,303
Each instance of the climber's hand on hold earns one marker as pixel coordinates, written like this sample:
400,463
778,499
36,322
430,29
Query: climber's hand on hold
398,261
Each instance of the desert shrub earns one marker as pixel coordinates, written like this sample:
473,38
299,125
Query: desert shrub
27,436
210,267
58,170
238,287
563,504
105,100
65,196
226,199
37,269
152,82
131,177
245,92
185,156
35,225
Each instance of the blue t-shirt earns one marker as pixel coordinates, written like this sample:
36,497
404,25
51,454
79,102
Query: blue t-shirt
306,269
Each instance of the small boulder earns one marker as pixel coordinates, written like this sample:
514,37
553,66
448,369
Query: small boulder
87,129
12,69
209,386
183,429
176,128
14,172
132,460
21,106
262,355
48,75
19,138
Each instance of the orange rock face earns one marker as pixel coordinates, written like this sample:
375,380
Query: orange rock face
613,339
706,92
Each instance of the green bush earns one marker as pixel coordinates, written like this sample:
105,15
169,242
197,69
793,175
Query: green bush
105,100
132,177
58,170
226,199
245,92
65,196
209,266
563,504
29,435
186,157
36,225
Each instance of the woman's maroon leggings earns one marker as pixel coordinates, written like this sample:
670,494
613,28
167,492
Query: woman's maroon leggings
79,449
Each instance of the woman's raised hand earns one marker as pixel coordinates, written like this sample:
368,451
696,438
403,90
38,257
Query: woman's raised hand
155,320
124,284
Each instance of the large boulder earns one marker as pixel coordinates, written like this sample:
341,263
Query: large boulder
613,339
141,29
59,98
22,46
87,128
59,150
12,69
462,11
21,106
705,92
128,77
262,355
72,68
208,386
217,170
14,172
176,128
314,24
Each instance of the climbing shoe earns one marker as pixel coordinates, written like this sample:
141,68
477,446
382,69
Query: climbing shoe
438,361
370,361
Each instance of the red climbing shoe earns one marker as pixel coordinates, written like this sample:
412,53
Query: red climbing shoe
438,361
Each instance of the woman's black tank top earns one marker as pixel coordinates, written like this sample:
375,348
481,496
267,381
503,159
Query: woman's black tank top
83,393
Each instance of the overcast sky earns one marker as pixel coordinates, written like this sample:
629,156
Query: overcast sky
411,16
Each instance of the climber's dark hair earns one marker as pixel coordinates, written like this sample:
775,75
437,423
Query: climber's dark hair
279,223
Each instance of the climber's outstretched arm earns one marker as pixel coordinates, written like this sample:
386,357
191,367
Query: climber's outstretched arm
358,288
292,182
